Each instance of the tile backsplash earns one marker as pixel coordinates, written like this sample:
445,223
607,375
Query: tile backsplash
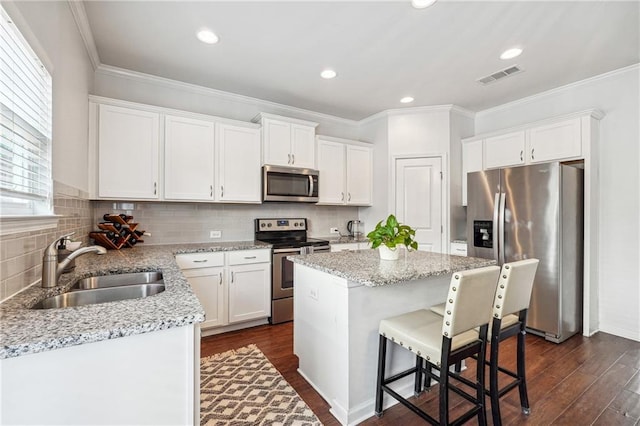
171,223
21,253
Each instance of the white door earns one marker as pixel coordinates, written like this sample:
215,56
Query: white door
331,167
359,175
208,285
418,199
277,142
249,292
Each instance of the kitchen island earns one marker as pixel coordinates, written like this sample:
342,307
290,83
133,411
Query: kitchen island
339,300
127,362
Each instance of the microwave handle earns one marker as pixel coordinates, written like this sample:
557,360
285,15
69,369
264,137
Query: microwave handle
310,186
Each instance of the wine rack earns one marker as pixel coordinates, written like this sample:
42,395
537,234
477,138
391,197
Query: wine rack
116,232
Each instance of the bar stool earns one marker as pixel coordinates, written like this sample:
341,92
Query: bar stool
509,318
442,342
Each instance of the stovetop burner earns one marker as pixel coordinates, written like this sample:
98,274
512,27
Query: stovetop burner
285,233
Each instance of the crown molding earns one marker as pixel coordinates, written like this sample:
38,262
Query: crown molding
418,110
560,89
82,22
109,70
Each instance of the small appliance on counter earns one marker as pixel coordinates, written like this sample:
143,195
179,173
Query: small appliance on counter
355,228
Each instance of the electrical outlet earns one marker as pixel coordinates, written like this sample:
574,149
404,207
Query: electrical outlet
215,234
334,230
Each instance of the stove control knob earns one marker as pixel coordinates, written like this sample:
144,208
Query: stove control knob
269,225
295,224
262,225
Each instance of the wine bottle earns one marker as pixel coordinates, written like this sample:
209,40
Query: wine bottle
125,217
116,225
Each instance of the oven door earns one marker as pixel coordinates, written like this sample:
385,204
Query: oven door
282,282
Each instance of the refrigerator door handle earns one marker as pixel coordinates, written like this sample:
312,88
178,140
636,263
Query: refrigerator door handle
496,229
503,198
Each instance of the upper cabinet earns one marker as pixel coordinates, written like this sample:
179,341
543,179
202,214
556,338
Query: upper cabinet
346,172
287,141
558,139
204,158
128,152
188,159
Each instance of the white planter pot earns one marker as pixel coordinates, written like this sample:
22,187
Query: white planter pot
388,254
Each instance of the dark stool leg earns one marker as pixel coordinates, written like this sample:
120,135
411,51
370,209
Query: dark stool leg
417,387
494,391
444,382
522,385
480,377
382,355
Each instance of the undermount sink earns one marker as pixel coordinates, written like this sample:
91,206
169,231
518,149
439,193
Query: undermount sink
106,288
116,280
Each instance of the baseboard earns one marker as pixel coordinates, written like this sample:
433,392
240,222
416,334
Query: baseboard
233,327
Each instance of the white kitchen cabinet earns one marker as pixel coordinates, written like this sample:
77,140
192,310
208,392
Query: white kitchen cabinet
555,141
458,248
287,141
233,287
189,159
504,150
471,162
346,172
128,151
336,247
239,178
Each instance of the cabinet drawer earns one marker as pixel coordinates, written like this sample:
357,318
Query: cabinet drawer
459,249
249,256
344,247
200,260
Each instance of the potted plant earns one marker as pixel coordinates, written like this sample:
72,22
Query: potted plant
388,235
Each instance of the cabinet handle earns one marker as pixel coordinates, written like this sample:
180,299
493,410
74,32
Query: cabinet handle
293,159
211,191
155,188
289,160
220,282
249,257
201,261
221,190
349,199
232,276
342,193
521,154
532,157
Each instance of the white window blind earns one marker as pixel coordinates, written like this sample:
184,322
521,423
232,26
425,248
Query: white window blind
25,127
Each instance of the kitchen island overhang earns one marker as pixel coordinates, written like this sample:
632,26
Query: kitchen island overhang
339,300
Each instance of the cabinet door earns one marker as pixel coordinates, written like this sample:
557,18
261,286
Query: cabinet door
471,162
188,159
557,141
303,146
128,144
277,142
249,292
208,285
331,165
359,175
239,164
504,150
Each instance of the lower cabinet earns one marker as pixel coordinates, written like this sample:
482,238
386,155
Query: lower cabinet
349,246
233,287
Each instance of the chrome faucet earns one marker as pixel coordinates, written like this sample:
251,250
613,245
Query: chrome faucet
51,269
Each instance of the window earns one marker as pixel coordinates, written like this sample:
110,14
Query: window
25,127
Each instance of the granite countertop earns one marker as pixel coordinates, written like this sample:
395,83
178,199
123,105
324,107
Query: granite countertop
365,266
26,331
333,239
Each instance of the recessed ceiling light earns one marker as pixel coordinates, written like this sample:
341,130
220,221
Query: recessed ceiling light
207,36
328,74
421,4
511,53
406,100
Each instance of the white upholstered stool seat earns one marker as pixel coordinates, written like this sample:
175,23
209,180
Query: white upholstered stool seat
421,333
442,342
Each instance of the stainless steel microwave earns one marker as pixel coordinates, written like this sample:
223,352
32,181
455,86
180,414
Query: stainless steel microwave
289,184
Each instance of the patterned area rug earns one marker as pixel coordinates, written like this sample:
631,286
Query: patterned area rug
242,387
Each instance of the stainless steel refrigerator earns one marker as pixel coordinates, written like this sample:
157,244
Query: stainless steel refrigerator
534,212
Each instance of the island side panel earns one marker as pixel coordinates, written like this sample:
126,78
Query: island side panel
367,307
320,337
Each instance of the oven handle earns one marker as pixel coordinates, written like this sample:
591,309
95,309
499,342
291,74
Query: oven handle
287,250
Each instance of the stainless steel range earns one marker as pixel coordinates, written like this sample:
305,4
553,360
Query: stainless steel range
288,237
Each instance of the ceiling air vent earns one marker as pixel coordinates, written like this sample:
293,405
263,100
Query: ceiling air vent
514,69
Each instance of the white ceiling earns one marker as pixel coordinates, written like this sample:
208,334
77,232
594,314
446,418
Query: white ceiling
382,51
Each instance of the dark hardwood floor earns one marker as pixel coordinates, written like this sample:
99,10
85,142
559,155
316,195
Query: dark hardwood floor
582,381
